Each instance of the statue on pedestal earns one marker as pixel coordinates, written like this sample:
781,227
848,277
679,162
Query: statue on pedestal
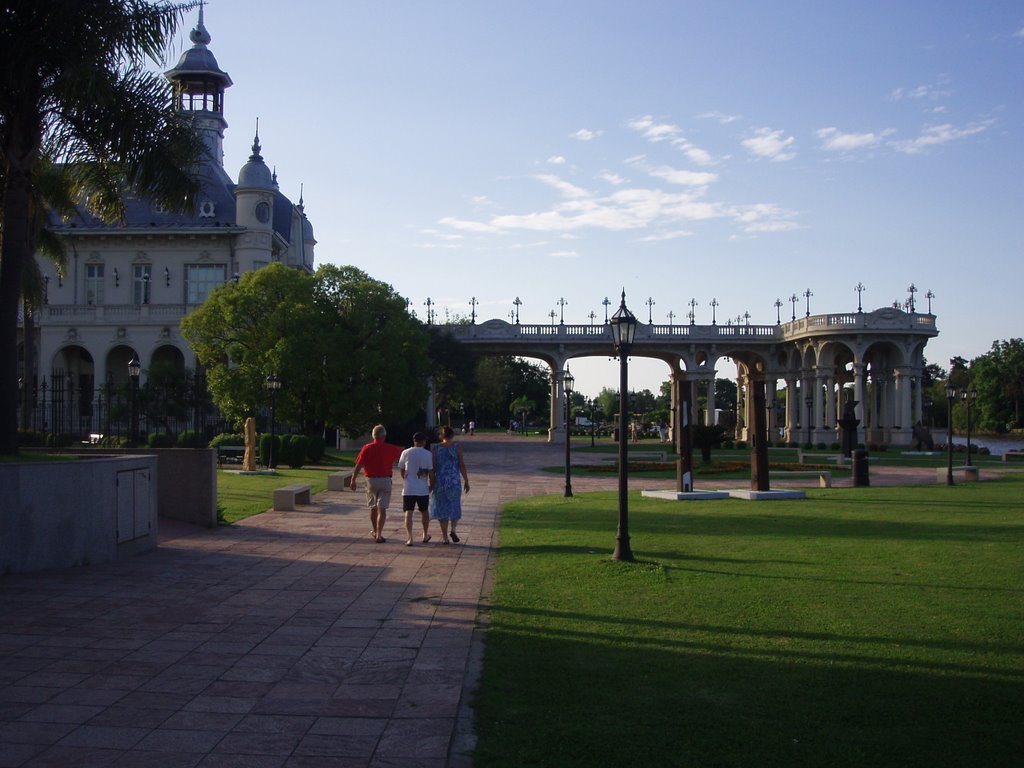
848,427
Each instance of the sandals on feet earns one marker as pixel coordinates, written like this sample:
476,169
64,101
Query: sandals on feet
455,537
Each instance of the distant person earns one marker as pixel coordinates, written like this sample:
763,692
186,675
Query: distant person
663,430
376,460
472,427
415,464
449,469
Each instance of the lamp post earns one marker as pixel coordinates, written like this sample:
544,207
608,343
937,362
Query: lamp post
273,384
950,394
134,369
809,402
970,396
623,327
567,382
593,404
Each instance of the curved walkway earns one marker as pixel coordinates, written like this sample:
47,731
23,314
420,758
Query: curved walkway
288,639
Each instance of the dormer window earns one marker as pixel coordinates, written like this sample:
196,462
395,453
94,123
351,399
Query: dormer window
207,209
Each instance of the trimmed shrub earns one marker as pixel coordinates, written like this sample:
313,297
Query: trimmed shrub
264,442
297,450
189,439
316,449
160,440
227,438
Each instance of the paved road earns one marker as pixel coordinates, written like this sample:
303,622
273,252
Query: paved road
288,639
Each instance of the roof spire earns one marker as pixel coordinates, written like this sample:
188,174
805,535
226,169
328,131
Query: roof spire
256,144
302,205
199,35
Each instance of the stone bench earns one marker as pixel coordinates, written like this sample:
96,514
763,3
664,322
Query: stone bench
230,454
1013,456
339,481
287,497
967,474
646,456
824,476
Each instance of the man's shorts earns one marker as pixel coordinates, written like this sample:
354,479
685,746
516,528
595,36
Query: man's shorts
378,492
409,503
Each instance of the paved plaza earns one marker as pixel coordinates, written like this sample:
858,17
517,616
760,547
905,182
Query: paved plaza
288,639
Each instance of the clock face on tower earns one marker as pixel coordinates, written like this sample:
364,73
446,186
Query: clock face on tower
263,212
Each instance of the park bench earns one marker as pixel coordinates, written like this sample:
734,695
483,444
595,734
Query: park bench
968,474
339,481
1013,456
647,455
287,497
230,454
824,476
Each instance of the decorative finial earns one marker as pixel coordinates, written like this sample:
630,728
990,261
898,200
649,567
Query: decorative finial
273,177
199,35
302,205
256,143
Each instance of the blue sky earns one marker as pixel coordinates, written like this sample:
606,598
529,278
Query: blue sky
709,150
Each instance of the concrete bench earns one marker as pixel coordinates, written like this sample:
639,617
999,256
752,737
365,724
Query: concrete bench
646,456
824,476
967,474
230,454
287,497
1013,456
339,481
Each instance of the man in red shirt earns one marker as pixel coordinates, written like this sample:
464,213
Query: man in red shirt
377,460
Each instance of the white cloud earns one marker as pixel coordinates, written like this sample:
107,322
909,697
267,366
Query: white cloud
719,116
556,160
440,235
837,141
936,135
765,217
684,177
653,131
567,189
468,226
611,178
656,132
1019,33
771,145
564,255
921,92
585,134
659,237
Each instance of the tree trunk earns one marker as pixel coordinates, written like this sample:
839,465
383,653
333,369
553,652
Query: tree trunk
15,252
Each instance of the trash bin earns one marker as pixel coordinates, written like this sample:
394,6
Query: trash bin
860,468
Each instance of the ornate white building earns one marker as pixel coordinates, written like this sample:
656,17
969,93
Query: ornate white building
127,286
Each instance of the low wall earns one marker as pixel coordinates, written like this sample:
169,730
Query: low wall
58,514
187,483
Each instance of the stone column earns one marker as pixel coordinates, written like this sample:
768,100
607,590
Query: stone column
791,409
712,413
859,391
556,433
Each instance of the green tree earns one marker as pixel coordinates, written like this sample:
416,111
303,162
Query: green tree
264,324
77,97
347,351
998,376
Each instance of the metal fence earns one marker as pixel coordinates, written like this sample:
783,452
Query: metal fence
65,413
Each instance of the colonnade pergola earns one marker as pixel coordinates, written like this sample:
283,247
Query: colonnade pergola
819,361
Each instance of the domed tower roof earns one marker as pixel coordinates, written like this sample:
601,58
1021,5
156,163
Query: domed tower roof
198,62
255,173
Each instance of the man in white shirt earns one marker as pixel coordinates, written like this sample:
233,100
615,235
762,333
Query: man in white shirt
415,464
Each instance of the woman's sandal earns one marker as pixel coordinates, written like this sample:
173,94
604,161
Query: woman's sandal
455,537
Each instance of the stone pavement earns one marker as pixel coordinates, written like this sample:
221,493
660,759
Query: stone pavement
288,639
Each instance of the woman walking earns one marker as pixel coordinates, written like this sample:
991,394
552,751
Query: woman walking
449,469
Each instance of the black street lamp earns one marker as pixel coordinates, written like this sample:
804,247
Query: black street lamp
970,396
567,382
809,402
593,405
950,394
273,384
623,327
134,369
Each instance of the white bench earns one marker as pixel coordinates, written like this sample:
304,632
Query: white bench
824,476
339,481
287,497
970,474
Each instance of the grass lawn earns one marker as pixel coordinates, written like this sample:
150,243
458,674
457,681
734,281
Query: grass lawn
859,627
241,496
